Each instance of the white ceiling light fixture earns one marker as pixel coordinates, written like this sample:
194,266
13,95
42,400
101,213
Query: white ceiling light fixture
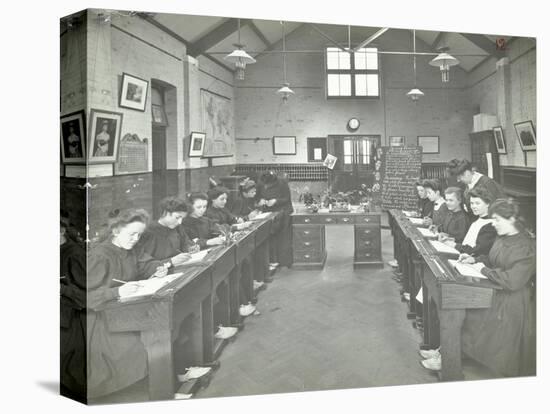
444,61
415,94
285,92
239,56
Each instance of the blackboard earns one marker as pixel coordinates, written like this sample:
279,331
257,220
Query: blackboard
400,170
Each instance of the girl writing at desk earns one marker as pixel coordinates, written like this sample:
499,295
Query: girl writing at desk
217,212
245,203
116,359
199,228
440,211
481,234
455,223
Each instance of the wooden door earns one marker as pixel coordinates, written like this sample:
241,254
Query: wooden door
159,166
355,161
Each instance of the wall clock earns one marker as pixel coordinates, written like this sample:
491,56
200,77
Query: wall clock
353,124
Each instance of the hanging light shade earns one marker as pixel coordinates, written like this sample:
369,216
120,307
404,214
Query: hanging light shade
444,61
415,94
285,91
239,56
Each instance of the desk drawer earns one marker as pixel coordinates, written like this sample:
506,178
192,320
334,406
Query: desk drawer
310,219
366,256
370,219
307,245
307,257
307,232
367,233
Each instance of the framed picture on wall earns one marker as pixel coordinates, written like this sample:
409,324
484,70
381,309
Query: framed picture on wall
105,127
133,92
316,149
429,144
73,138
526,135
499,140
397,141
196,146
284,145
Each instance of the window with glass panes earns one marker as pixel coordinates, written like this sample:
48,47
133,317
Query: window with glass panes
352,74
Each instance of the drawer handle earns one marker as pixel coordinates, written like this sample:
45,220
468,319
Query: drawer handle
367,231
367,254
307,220
345,220
366,220
307,243
367,243
306,256
306,232
328,220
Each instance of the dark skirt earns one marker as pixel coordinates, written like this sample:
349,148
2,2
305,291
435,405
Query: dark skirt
280,249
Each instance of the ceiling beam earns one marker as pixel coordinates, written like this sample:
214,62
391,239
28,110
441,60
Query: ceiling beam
213,59
436,41
334,42
215,36
483,43
371,38
273,45
150,19
259,34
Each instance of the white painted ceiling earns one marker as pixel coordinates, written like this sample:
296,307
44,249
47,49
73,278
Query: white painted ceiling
192,28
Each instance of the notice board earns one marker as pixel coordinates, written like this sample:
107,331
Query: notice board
400,170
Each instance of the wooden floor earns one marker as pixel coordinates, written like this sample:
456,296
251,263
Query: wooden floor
321,330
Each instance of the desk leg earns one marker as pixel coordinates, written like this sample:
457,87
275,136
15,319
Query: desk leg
158,343
207,317
450,322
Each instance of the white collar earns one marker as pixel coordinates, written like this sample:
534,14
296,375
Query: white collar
475,178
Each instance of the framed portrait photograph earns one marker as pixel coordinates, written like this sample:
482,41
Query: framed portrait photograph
499,140
397,141
330,161
196,146
429,144
133,92
526,135
316,149
73,138
284,145
104,136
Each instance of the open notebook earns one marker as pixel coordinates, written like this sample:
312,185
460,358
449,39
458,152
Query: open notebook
148,287
416,221
261,216
426,232
467,270
443,248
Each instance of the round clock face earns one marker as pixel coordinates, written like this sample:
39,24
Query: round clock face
353,123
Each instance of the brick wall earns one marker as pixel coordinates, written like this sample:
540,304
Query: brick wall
444,111
484,90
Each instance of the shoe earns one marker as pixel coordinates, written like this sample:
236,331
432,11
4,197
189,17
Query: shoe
407,296
194,373
429,353
258,285
274,264
246,310
180,396
393,263
398,274
225,332
433,364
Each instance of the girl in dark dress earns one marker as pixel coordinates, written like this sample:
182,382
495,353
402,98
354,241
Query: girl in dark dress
73,316
245,203
116,359
465,173
455,224
425,205
481,234
165,239
217,212
502,337
440,211
274,195
200,229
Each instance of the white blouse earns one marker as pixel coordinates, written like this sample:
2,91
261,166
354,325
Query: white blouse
473,231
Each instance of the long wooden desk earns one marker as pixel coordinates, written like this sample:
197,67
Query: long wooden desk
446,293
308,238
185,310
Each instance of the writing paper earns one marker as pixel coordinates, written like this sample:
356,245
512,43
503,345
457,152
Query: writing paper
261,216
467,269
443,248
426,232
416,221
149,287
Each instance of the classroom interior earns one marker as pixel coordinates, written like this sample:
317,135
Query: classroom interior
330,319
